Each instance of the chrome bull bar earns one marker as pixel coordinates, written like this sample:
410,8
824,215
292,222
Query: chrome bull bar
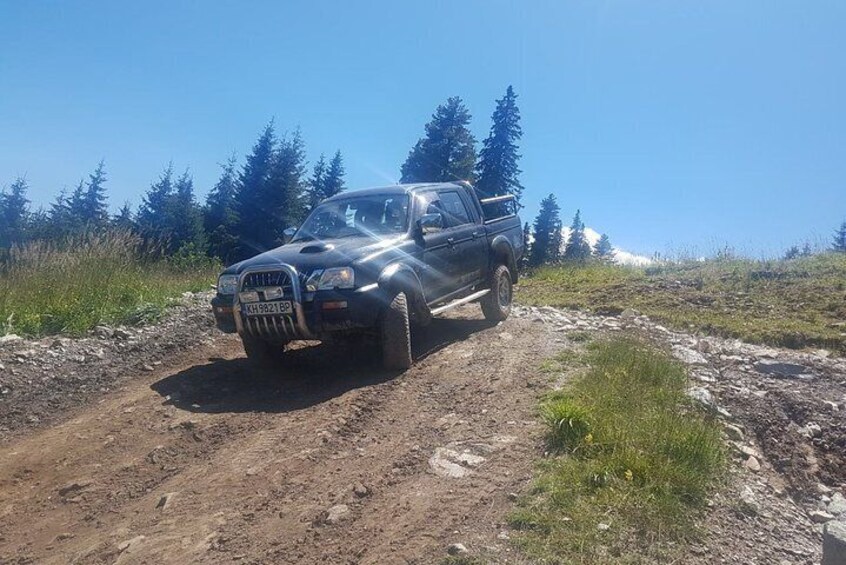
273,326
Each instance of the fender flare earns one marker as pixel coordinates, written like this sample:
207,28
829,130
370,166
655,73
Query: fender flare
503,252
399,277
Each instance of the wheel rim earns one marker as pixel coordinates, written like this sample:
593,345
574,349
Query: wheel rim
504,291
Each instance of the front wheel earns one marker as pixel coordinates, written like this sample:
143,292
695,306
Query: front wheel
395,335
496,305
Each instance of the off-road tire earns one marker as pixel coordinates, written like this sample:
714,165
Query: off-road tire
496,305
262,353
395,335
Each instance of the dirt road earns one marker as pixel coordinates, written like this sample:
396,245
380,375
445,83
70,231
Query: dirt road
203,459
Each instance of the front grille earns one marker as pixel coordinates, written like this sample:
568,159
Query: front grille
271,327
259,280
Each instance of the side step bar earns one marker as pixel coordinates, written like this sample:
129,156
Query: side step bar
460,301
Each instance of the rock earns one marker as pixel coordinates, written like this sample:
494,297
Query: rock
75,486
748,500
837,506
337,513
450,463
820,517
121,334
503,536
752,464
784,370
360,490
513,496
603,527
834,543
810,430
104,332
734,432
147,368
830,406
130,544
689,356
457,549
9,338
165,501
823,489
629,313
702,395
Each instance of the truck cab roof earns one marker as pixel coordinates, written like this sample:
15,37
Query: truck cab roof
397,189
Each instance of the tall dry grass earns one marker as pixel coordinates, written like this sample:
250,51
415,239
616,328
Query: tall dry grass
91,279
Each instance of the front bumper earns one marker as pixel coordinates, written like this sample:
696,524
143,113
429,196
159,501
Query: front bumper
315,314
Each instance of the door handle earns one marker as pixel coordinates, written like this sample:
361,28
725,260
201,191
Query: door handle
451,241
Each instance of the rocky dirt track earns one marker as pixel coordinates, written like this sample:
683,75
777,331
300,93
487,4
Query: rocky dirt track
164,445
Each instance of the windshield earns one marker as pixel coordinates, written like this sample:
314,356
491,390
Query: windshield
375,215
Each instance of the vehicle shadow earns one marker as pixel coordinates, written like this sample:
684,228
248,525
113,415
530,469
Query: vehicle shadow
305,376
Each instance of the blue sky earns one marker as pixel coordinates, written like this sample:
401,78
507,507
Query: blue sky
674,126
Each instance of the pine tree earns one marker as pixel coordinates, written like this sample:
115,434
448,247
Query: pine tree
14,214
577,248
255,225
603,250
334,176
839,243
547,233
60,221
447,152
497,171
185,218
220,219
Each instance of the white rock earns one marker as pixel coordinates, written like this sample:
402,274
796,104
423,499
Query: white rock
810,430
603,527
336,513
752,464
820,517
837,506
457,549
9,338
689,356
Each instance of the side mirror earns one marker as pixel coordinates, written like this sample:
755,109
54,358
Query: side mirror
288,234
430,223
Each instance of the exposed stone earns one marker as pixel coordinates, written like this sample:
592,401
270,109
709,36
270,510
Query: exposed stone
734,432
752,464
337,513
165,501
784,370
457,549
603,527
360,490
810,430
130,544
689,356
837,506
10,338
820,517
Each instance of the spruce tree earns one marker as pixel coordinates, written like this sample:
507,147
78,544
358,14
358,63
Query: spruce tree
317,182
220,219
527,246
334,176
254,227
448,150
154,214
95,211
839,242
497,171
577,248
123,220
547,233
603,250
287,187
14,214
185,218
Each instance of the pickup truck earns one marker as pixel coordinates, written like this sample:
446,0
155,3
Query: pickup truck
375,261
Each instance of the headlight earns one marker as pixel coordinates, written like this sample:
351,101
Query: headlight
227,284
337,277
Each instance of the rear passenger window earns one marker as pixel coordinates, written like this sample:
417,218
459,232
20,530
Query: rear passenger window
454,209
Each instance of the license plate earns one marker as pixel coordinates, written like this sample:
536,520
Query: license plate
268,308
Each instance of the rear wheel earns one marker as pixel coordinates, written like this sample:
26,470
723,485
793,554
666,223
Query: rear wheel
496,305
262,353
395,335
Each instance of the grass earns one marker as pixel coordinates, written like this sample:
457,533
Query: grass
628,449
797,303
93,279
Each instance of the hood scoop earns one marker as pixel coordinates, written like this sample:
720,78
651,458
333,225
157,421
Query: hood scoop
317,248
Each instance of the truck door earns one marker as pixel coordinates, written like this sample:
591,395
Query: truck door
437,255
467,237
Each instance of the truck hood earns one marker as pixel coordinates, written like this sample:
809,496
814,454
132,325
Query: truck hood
305,256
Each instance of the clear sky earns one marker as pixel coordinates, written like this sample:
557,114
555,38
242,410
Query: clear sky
673,125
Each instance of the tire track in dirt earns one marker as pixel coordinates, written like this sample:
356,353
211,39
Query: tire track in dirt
255,460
